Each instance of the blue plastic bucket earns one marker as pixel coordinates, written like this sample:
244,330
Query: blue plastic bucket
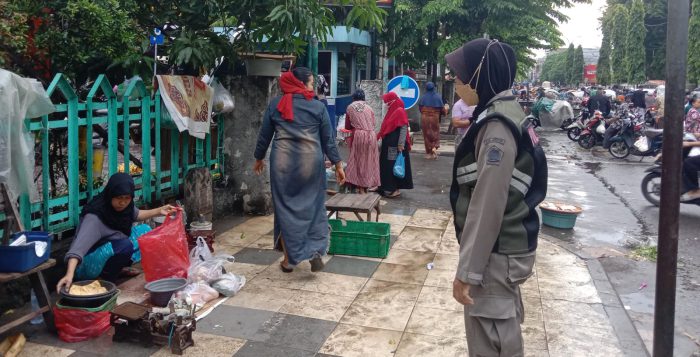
562,220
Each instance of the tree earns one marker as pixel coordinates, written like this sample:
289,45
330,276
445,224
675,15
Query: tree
655,41
618,40
570,52
694,46
603,72
555,68
635,56
579,62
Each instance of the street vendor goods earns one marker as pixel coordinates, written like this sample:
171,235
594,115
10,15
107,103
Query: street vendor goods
94,288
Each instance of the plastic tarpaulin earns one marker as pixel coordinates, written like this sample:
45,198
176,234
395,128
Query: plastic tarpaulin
189,103
20,98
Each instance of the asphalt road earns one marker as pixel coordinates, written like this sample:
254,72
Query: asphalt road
617,218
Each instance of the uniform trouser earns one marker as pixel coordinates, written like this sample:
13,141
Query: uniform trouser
493,322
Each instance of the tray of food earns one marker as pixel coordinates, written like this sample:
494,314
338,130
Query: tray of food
89,293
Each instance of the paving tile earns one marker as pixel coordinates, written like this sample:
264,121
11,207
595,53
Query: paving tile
536,353
409,274
237,239
351,266
431,346
571,340
394,219
563,289
530,287
436,322
250,271
273,276
448,244
445,261
336,284
438,298
418,239
80,354
255,226
428,222
383,304
259,349
432,213
574,272
575,313
258,256
359,341
317,305
237,322
295,332
533,308
259,296
35,349
409,257
226,248
534,336
264,242
207,345
440,277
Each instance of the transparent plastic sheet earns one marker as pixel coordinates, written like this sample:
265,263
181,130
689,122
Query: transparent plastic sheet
75,325
164,251
20,98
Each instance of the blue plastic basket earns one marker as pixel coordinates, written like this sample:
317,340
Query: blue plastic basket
558,219
22,258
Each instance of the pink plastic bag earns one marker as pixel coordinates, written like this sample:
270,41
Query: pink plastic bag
164,252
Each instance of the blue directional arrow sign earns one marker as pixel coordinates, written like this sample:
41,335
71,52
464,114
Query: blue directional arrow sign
156,40
406,88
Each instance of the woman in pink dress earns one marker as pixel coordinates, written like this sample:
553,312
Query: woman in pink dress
363,165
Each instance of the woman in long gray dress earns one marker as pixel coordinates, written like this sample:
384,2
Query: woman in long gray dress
301,130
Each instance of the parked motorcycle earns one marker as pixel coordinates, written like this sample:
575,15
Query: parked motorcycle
625,142
573,131
592,133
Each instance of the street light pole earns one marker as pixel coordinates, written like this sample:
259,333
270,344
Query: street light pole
676,58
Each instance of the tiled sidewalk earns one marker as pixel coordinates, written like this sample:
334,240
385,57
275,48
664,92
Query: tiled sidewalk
375,307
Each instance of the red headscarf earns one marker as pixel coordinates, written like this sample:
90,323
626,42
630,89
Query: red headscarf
395,118
290,85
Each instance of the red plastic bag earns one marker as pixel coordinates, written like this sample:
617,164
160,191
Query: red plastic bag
75,325
164,251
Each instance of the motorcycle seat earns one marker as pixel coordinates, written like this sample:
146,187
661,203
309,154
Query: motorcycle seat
652,133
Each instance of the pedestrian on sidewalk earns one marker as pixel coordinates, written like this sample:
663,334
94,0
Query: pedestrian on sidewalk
395,141
301,130
431,109
499,177
461,119
363,164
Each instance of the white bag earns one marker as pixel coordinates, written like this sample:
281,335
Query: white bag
229,284
642,144
601,128
199,293
223,100
201,251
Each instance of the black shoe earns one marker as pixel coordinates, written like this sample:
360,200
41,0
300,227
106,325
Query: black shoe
317,264
285,269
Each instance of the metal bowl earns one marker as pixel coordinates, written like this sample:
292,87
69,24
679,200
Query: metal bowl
88,300
161,290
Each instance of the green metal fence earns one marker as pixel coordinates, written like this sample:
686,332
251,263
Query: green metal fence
161,145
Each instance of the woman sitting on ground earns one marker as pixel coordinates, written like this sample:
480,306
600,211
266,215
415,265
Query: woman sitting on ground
108,219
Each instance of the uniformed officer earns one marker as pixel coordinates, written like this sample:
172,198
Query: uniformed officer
499,177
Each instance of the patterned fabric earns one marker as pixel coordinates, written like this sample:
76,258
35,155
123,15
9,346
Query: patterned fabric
692,121
189,103
430,125
363,164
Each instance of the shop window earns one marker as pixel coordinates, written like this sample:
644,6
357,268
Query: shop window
344,73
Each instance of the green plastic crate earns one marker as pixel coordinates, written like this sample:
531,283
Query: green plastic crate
364,239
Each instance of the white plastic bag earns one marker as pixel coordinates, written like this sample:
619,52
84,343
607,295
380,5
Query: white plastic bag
223,100
201,251
199,293
229,284
642,144
601,128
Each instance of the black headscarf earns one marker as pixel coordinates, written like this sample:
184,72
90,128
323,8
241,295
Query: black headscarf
497,71
119,184
639,99
359,95
431,98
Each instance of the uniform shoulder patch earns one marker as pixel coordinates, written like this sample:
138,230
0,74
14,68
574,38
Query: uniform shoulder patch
494,155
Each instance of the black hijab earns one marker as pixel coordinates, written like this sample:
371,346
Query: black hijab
497,71
101,205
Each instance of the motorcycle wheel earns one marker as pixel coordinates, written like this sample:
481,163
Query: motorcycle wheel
573,134
619,150
586,141
566,123
651,188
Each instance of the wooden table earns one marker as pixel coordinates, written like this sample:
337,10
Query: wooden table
36,278
355,203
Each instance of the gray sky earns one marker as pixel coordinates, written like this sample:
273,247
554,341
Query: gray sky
583,26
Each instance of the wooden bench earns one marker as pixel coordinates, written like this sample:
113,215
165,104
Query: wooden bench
355,203
36,278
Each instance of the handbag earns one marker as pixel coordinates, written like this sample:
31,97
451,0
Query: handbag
400,166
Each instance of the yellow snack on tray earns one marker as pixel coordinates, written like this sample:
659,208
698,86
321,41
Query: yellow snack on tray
93,288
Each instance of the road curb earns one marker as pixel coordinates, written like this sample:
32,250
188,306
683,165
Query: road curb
631,343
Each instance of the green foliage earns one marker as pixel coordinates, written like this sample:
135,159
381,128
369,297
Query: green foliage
13,30
578,66
618,40
635,56
555,68
570,70
693,44
655,41
603,70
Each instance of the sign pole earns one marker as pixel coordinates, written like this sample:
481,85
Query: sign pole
155,63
